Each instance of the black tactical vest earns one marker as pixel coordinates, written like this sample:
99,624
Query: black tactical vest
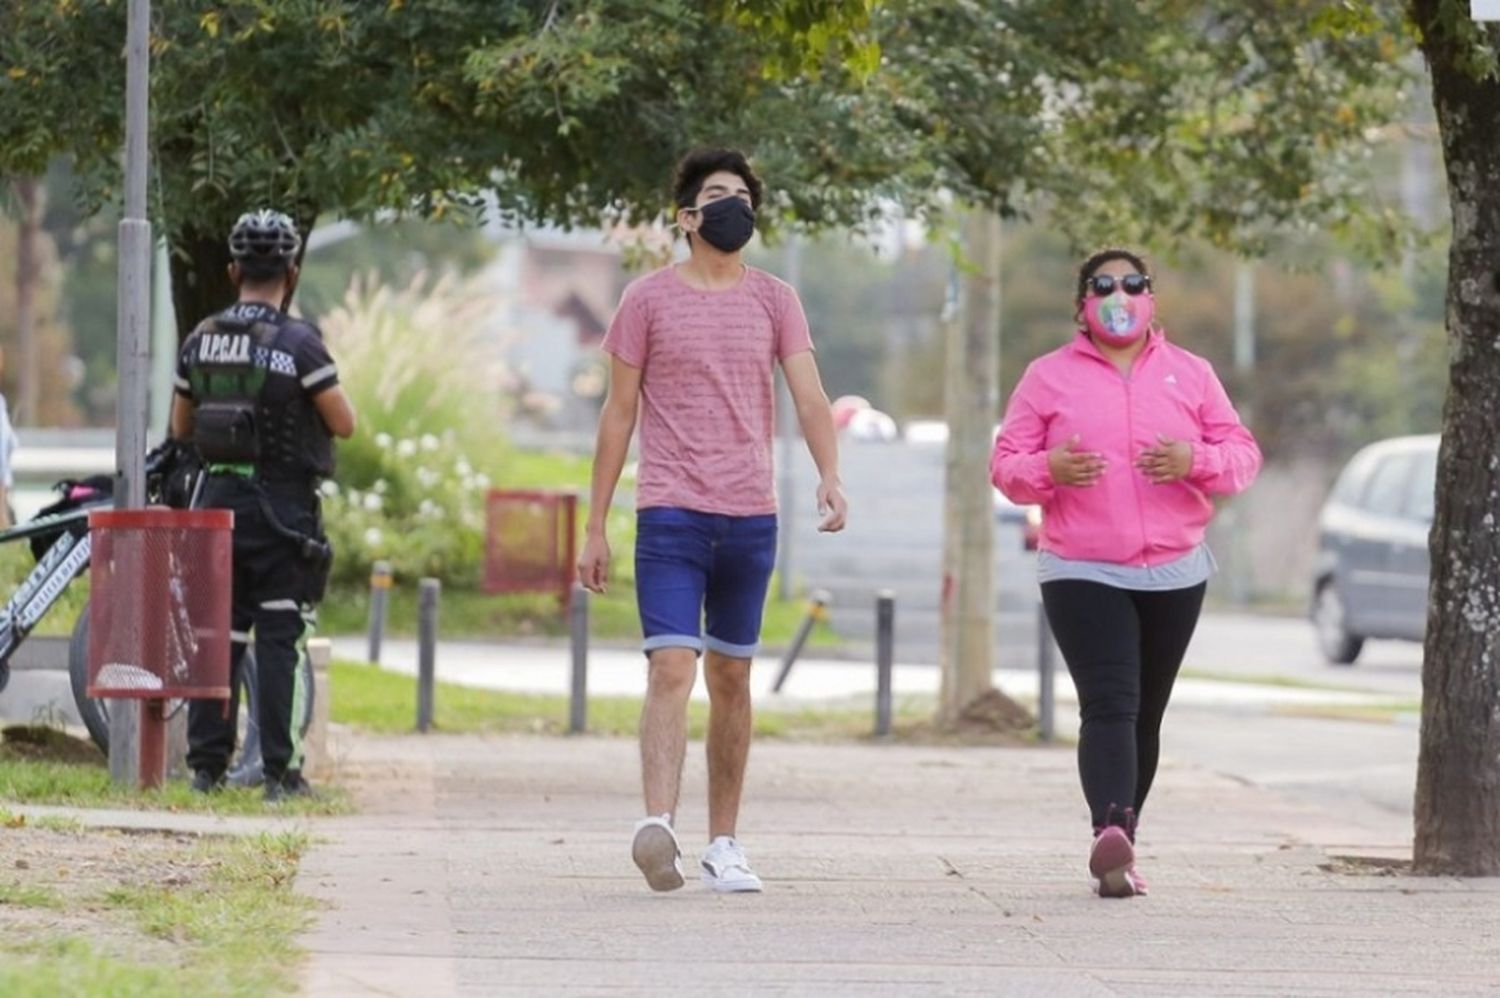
250,406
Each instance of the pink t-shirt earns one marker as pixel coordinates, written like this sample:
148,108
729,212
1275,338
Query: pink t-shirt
707,405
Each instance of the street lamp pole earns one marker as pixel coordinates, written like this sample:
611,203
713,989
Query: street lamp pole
133,335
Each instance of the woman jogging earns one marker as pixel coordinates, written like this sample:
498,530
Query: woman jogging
1122,438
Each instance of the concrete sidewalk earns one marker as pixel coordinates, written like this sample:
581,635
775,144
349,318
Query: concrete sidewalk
500,866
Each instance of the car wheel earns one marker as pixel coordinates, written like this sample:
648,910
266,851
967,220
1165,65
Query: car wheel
1337,644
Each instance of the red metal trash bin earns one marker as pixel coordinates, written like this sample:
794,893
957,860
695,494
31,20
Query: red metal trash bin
159,620
530,542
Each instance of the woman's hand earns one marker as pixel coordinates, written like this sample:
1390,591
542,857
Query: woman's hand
1071,466
1169,461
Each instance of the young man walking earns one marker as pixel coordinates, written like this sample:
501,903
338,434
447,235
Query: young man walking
693,349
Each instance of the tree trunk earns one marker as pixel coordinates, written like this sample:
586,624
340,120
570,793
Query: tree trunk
971,386
32,197
1458,774
200,278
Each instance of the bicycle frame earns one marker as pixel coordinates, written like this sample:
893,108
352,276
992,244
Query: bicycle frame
67,557
65,560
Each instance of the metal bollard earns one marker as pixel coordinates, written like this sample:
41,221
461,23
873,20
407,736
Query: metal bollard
380,592
317,761
817,609
1045,672
427,619
885,652
578,627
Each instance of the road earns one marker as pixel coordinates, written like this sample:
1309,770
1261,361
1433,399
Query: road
1263,648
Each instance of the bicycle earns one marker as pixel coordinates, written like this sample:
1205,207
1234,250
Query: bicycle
61,544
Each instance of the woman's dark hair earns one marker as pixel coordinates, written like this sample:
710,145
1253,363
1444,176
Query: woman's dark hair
700,164
1091,266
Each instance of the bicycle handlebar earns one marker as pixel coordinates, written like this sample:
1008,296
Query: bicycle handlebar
52,524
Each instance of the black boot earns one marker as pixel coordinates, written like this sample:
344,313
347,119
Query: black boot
205,782
291,786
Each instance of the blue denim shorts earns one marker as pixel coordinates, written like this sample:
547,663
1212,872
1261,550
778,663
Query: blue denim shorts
700,574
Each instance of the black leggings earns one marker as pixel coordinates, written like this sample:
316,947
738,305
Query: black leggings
1123,648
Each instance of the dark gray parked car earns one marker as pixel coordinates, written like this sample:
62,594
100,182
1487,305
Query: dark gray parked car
1370,578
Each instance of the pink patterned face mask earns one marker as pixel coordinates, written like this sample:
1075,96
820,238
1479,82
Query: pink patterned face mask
1119,319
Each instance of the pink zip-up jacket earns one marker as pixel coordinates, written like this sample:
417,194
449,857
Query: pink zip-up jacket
1123,518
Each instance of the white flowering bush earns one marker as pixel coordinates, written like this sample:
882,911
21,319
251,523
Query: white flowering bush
424,370
423,511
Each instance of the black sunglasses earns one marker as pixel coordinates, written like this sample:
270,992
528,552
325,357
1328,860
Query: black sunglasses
1103,285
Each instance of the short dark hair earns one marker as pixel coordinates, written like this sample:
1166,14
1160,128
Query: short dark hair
264,272
700,164
1099,259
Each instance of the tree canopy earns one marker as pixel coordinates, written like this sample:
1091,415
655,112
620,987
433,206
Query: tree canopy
1141,120
566,111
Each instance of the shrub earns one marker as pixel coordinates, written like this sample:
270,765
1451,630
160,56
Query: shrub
424,369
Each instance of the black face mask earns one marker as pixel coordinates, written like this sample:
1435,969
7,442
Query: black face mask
727,224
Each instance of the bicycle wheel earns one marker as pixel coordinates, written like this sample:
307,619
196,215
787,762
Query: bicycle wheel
246,769
94,713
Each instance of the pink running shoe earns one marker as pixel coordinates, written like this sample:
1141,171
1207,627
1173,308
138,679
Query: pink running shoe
1112,864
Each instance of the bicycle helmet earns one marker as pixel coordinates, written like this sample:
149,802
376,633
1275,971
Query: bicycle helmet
264,243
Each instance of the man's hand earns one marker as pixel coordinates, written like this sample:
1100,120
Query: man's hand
593,563
1169,461
832,507
1071,466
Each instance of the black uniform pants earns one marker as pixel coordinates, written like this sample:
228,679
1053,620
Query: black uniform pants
273,597
1123,648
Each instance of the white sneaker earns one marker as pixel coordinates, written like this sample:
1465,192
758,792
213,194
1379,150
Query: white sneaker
656,852
726,869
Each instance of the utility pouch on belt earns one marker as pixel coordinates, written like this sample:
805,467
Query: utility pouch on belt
224,431
320,566
314,548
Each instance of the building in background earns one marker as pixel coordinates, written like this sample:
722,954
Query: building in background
562,288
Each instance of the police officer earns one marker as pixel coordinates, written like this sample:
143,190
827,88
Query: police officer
258,395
